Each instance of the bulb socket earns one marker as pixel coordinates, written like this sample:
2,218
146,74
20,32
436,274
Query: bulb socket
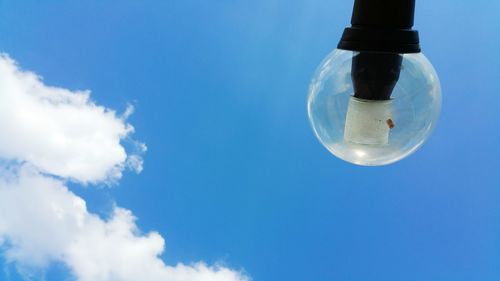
382,26
374,75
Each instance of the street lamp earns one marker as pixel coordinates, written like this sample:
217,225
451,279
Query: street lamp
376,98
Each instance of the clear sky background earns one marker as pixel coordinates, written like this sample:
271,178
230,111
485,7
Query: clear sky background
233,172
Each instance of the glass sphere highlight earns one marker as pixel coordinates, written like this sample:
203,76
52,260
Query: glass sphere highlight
373,132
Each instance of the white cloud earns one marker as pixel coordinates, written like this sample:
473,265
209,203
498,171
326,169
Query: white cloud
45,222
47,132
59,131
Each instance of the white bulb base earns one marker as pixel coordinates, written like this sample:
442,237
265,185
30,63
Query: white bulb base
368,122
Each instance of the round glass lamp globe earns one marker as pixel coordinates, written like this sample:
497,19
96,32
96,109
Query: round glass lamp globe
373,133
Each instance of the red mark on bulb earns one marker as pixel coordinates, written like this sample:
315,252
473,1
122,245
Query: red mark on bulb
390,123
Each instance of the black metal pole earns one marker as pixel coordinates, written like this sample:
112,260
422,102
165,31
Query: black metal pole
384,13
381,26
381,31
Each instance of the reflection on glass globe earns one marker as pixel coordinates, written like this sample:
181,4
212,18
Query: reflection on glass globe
373,132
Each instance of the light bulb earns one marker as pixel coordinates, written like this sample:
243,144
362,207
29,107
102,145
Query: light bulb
375,99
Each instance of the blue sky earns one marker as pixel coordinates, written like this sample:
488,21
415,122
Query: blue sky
233,172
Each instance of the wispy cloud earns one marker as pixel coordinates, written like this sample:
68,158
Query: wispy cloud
50,135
